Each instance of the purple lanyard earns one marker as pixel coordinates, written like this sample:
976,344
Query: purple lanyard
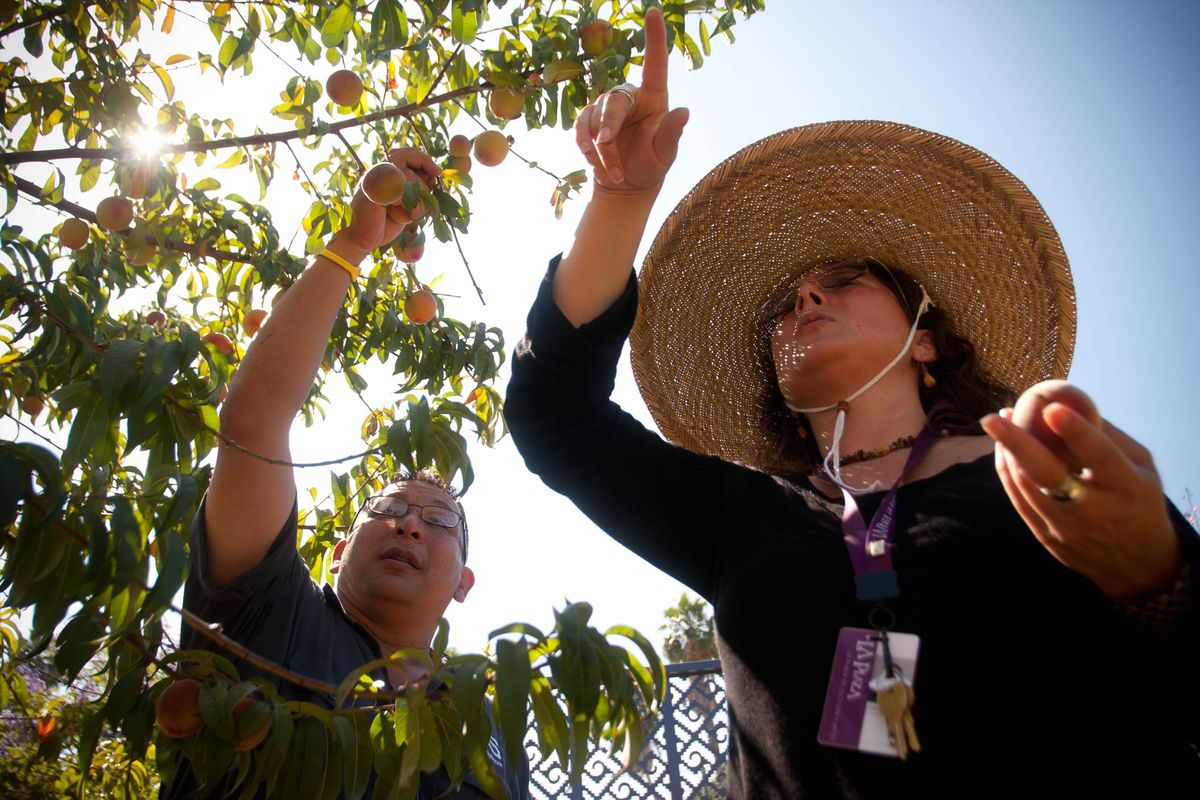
871,548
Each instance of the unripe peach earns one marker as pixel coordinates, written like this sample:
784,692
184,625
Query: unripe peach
384,183
460,146
32,405
595,37
177,711
74,233
461,164
140,247
219,341
344,87
248,741
114,213
253,320
491,147
507,103
420,306
1028,412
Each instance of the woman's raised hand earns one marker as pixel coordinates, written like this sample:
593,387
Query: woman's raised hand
1103,514
630,136
370,226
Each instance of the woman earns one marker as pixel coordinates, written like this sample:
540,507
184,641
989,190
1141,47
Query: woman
828,486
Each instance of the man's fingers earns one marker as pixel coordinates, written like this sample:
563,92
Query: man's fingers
417,162
654,65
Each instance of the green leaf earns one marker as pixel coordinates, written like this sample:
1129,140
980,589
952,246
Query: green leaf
117,368
337,25
171,572
93,433
354,736
305,770
463,24
512,694
475,743
562,70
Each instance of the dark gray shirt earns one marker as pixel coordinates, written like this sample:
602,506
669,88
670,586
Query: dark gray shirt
279,612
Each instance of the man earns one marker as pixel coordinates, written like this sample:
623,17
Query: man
403,559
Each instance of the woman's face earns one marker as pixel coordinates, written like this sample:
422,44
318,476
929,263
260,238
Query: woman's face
833,332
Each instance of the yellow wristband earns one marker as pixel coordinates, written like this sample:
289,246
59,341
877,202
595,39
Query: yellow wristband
341,262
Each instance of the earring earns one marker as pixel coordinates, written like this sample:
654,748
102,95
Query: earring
927,377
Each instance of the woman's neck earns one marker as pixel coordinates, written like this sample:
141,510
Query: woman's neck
875,419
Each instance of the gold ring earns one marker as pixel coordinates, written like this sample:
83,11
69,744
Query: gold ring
626,90
1066,491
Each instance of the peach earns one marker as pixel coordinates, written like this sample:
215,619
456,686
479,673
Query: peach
491,147
1028,412
460,146
114,213
384,183
220,342
156,318
398,213
248,740
177,711
595,37
461,164
140,248
420,306
344,87
32,405
253,320
74,233
409,246
507,103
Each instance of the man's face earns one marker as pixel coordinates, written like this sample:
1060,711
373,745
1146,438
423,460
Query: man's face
403,563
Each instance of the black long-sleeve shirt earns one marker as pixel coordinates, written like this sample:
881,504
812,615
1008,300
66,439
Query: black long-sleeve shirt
1028,680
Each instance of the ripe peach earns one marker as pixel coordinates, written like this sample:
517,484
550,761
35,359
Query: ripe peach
32,405
490,148
114,213
420,306
460,146
507,103
384,183
595,37
156,318
219,341
136,180
253,320
461,164
177,711
410,246
398,213
249,740
344,87
74,233
1028,412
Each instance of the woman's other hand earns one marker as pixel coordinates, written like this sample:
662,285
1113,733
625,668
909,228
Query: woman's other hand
1089,492
631,139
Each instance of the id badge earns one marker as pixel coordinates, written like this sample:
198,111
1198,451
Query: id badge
852,719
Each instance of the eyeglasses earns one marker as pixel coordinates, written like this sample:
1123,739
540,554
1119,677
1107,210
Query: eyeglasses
392,506
829,278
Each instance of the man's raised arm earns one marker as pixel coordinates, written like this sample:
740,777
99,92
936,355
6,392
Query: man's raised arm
249,499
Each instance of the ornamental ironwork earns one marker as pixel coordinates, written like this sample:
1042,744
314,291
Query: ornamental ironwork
683,757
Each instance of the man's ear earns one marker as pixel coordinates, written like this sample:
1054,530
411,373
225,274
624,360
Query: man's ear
464,584
923,348
336,563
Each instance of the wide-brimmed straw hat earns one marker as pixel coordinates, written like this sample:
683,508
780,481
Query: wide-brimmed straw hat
943,212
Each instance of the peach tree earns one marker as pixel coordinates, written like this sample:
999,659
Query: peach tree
140,254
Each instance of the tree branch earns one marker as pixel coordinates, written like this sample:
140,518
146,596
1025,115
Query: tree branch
199,251
31,21
18,157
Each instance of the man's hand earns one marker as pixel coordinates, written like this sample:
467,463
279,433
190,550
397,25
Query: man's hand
370,226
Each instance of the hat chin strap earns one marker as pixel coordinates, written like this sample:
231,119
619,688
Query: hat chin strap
832,466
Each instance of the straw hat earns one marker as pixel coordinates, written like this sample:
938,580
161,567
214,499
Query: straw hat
939,210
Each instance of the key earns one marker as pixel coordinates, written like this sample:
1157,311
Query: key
893,699
910,728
